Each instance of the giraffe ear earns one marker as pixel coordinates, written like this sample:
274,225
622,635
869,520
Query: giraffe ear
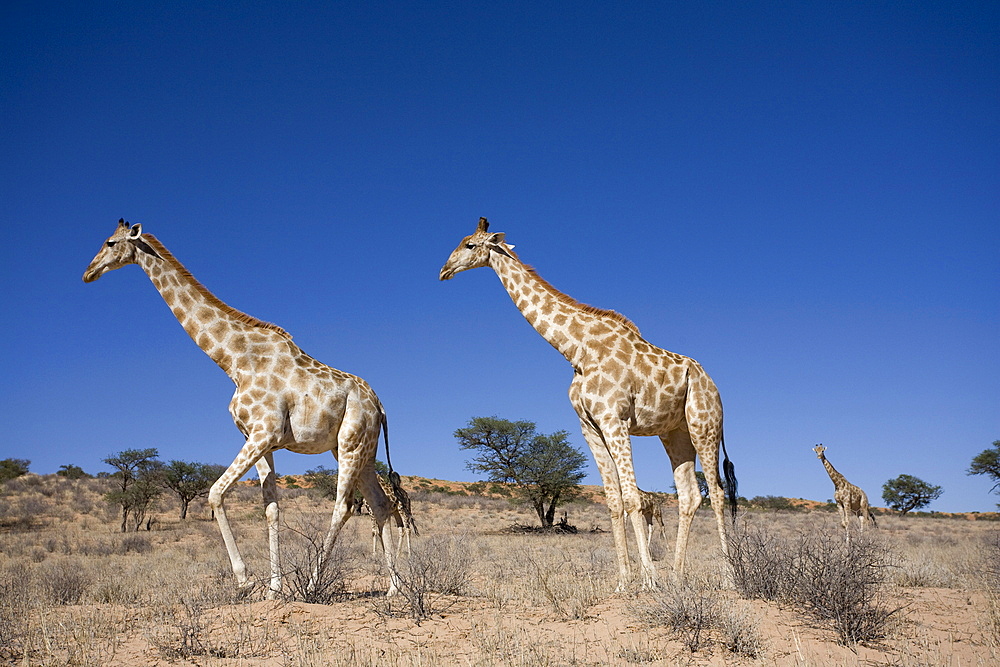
136,231
495,242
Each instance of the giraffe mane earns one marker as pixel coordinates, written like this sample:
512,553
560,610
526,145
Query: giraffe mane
237,315
570,301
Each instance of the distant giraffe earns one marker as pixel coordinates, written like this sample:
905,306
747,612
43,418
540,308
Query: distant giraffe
284,398
622,386
400,500
849,498
651,507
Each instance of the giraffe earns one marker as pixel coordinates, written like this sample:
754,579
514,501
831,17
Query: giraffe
651,506
622,386
850,499
400,499
284,398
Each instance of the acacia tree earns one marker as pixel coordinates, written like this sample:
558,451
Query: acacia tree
11,468
987,462
543,469
70,471
137,476
907,492
190,480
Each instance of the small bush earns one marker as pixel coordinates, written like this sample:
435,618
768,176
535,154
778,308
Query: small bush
65,581
186,634
690,611
774,503
437,568
739,632
761,565
992,584
16,600
308,578
838,582
843,583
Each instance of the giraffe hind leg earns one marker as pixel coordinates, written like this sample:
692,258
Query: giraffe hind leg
682,458
381,509
269,492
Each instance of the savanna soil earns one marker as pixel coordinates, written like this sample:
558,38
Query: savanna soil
76,591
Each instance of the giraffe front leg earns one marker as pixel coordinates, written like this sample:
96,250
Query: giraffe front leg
216,500
619,447
613,496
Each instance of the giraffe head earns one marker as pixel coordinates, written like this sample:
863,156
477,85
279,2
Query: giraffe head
120,249
475,251
819,449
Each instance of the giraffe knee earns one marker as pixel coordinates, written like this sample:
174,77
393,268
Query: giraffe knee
215,497
271,513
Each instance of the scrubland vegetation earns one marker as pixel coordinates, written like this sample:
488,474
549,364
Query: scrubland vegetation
76,590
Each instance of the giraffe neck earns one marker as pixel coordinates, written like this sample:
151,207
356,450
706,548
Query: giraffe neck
832,472
569,326
214,326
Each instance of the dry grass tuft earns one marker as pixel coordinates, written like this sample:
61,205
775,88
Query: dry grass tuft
73,590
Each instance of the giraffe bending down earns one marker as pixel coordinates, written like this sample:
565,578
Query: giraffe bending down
850,499
400,500
622,385
651,506
284,398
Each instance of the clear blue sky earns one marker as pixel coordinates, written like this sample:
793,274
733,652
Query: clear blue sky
805,197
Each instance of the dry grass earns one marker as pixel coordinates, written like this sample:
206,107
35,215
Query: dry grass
73,590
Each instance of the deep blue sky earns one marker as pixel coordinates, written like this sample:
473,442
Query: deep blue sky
805,197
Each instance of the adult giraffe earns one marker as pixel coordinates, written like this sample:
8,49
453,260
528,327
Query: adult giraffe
622,386
284,399
850,499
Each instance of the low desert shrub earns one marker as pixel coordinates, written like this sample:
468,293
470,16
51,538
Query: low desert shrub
437,569
570,585
841,583
689,611
992,586
739,632
64,581
699,616
16,600
310,579
761,563
191,631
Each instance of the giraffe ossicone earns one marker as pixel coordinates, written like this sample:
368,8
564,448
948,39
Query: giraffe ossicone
622,386
284,399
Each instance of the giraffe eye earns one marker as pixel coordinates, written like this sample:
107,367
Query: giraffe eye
470,246
111,244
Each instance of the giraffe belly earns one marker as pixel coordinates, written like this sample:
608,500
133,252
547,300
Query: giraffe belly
657,417
311,447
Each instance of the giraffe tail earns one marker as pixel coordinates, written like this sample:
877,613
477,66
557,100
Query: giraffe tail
394,480
871,515
729,472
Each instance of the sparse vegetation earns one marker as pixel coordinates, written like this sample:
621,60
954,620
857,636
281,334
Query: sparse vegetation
75,590
843,583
